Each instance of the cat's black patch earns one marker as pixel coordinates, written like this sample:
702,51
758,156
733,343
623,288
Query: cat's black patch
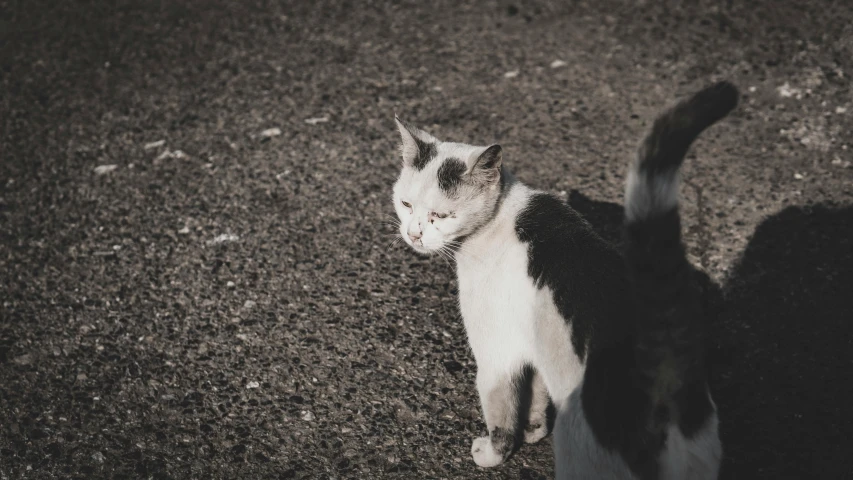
616,408
426,152
517,392
584,272
504,441
450,175
507,439
524,393
523,382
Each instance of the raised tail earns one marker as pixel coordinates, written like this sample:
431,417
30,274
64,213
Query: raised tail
653,179
669,352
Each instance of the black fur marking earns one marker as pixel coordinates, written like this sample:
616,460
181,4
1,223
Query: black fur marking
450,175
584,272
504,441
616,408
523,382
426,152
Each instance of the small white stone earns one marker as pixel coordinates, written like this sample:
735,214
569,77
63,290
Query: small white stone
224,238
798,176
752,89
167,154
184,230
558,64
104,169
437,88
511,74
230,284
840,110
307,416
271,132
150,145
24,359
316,120
98,457
249,304
787,91
253,384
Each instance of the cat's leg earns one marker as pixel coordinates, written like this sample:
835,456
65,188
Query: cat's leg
500,396
541,414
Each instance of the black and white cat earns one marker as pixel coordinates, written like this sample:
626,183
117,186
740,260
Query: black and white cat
555,314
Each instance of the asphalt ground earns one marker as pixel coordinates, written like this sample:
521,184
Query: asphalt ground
227,304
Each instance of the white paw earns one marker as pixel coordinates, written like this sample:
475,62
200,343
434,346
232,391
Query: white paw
484,454
536,434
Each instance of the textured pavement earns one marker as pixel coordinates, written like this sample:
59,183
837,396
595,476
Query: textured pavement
227,304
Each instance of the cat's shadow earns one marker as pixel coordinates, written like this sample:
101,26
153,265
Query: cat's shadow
781,343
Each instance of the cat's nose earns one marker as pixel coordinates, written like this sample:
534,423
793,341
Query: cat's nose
415,236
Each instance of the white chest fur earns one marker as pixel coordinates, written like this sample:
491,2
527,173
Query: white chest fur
508,320
495,294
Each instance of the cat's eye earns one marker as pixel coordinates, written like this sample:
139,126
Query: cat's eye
435,215
406,204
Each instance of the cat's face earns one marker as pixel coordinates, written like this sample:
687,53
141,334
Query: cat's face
445,190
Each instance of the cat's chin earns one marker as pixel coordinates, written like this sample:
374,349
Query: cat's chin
422,250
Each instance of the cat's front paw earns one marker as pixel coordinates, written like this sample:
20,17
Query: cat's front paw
536,432
484,454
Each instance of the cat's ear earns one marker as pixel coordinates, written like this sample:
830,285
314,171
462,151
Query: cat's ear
487,166
416,146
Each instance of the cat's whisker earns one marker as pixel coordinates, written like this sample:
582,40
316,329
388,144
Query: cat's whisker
443,256
463,250
395,241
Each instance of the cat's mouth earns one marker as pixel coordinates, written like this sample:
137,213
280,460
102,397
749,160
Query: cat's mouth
419,247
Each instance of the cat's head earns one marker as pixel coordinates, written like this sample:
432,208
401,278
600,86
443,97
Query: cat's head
446,190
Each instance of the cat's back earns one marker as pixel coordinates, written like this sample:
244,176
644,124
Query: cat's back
585,272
